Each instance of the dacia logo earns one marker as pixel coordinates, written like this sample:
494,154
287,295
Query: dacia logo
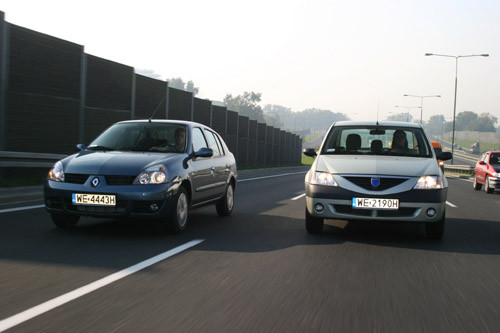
375,182
95,181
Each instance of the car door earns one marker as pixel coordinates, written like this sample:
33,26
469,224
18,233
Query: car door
201,173
218,165
481,168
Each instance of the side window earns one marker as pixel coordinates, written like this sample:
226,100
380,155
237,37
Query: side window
219,141
212,143
198,139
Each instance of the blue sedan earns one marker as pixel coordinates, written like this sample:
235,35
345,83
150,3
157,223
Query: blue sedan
144,169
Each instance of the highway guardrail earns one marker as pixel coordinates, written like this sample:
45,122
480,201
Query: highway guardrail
463,169
10,159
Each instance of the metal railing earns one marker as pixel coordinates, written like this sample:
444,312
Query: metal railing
9,159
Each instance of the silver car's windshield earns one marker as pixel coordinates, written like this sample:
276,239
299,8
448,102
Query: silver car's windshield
142,136
377,140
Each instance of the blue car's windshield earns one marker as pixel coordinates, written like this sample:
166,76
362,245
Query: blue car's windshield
377,140
142,136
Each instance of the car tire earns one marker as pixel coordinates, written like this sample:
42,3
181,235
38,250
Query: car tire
487,187
435,230
477,186
314,225
65,221
177,220
225,206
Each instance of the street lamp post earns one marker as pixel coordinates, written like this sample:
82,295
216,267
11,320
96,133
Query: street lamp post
456,81
407,110
421,103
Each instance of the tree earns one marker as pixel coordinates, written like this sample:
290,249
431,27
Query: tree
435,125
178,83
149,73
401,117
246,105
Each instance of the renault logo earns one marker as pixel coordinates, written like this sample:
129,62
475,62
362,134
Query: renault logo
375,182
95,181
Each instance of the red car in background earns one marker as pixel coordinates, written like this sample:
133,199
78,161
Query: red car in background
487,171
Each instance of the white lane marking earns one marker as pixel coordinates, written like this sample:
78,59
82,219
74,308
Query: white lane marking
450,204
299,196
20,208
273,176
55,302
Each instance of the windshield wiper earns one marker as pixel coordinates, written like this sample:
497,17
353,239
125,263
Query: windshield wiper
100,148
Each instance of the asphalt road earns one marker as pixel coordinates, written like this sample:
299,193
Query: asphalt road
258,270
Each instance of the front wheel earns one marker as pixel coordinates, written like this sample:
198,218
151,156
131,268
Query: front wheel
435,229
225,206
475,184
65,221
314,225
178,217
487,187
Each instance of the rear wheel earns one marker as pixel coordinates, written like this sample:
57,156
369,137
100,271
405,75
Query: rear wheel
487,187
435,230
476,185
314,224
178,217
65,221
225,206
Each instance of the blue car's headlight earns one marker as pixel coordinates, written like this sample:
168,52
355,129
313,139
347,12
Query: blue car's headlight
429,183
57,172
156,174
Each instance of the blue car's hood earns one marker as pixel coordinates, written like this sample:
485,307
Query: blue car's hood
113,162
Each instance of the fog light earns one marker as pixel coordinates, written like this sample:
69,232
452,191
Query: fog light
153,207
318,207
431,212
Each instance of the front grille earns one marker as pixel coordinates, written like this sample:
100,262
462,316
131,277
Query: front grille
75,178
385,182
119,180
401,212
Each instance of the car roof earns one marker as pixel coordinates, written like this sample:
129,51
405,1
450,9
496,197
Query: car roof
375,123
163,121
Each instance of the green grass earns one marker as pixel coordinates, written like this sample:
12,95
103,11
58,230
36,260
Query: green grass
483,146
306,160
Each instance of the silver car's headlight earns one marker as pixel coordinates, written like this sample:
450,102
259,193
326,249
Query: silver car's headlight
57,172
429,183
156,174
322,178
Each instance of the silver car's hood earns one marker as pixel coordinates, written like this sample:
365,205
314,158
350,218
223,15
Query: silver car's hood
377,165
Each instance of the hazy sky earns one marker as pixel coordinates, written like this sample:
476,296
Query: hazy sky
346,56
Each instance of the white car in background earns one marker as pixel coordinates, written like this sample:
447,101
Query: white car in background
376,171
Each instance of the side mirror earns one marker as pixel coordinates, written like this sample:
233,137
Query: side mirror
445,156
204,152
80,147
482,163
309,152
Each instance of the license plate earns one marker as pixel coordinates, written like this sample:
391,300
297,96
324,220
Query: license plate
94,199
375,203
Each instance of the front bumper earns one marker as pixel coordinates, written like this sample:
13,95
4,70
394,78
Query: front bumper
131,200
494,182
413,204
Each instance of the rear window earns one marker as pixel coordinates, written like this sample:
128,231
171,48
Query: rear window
377,140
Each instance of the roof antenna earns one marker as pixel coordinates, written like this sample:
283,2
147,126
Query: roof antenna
157,107
378,109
